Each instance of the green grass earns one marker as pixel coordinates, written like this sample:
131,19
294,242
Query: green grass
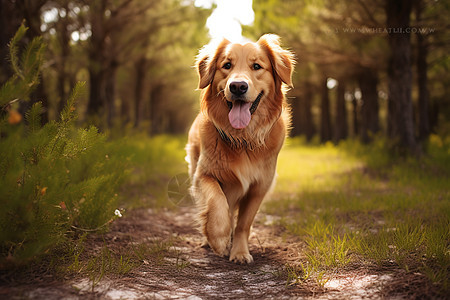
154,161
353,204
109,261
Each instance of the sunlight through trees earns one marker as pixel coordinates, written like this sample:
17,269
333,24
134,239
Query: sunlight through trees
388,60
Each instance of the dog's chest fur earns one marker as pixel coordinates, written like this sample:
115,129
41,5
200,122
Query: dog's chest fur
238,170
248,170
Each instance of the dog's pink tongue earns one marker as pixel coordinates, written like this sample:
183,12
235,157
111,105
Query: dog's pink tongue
239,115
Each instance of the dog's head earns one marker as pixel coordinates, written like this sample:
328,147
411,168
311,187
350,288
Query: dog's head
244,82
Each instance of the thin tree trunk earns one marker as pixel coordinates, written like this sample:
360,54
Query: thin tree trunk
64,39
98,61
310,129
110,95
156,114
96,85
355,116
61,86
340,127
400,77
325,128
302,119
126,110
297,113
139,111
368,81
422,79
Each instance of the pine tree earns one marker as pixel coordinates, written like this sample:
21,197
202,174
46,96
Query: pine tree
54,179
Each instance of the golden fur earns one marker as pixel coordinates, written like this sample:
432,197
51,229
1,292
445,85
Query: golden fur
232,169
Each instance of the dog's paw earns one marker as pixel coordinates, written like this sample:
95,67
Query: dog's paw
205,244
241,258
221,246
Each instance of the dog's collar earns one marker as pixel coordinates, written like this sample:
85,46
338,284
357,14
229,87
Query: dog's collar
233,142
223,135
254,104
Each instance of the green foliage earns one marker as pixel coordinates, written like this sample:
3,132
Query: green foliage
33,117
54,179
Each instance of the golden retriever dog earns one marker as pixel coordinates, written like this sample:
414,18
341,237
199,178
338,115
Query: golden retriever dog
234,142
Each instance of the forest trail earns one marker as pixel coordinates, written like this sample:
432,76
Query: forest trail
188,271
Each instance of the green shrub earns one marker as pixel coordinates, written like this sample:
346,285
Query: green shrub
54,179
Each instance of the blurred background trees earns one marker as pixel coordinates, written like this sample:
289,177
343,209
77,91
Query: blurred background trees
136,56
365,68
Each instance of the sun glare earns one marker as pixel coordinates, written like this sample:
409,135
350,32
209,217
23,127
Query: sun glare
227,18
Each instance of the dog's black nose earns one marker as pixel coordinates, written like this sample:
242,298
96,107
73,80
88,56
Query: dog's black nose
238,87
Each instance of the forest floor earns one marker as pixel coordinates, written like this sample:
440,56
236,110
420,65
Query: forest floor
179,268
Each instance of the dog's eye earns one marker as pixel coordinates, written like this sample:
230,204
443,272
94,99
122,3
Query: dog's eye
227,66
256,66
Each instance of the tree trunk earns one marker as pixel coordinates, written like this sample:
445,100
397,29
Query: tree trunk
64,39
98,60
399,74
297,115
302,120
310,129
139,112
110,94
340,127
125,110
61,86
156,111
355,116
10,19
422,79
325,123
96,87
368,81
434,115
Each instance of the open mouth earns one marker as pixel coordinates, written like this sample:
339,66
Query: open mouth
241,112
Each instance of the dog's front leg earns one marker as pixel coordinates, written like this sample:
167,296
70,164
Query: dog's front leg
214,216
247,210
239,251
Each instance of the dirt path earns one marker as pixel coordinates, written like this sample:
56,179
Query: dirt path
188,271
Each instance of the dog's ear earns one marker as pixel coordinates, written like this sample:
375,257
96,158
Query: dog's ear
205,71
282,60
207,61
